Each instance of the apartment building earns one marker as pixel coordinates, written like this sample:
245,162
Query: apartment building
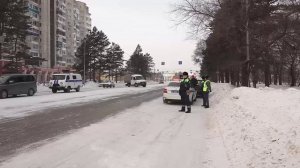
84,19
57,30
73,31
34,38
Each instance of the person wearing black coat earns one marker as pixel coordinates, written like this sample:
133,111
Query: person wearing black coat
184,92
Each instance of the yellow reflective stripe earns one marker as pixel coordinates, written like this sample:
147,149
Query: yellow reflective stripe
205,88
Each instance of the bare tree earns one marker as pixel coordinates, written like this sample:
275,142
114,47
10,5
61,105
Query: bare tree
197,14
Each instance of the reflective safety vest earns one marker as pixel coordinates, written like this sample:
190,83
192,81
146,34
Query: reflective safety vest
205,88
185,81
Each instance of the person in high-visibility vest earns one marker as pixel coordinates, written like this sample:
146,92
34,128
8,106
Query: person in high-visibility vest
206,89
184,93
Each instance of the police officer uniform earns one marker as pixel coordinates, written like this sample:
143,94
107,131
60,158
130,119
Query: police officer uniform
184,92
206,89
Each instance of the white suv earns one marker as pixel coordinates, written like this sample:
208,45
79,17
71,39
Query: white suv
65,82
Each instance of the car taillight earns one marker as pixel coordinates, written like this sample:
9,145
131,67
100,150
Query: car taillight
165,90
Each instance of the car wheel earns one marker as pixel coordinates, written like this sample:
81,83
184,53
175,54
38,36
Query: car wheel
78,89
54,90
144,85
4,94
165,101
136,85
30,92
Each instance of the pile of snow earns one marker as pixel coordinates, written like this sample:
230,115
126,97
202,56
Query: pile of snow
261,127
43,88
90,85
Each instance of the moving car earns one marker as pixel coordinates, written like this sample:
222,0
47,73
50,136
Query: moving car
65,82
108,84
17,84
171,93
135,80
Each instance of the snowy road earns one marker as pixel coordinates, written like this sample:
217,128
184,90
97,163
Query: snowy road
14,108
51,123
152,135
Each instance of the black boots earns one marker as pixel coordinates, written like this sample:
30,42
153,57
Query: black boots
182,109
189,110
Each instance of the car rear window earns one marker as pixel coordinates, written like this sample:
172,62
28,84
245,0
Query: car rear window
174,84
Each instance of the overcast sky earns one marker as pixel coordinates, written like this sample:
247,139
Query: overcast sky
148,23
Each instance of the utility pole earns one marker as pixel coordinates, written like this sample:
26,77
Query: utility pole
84,46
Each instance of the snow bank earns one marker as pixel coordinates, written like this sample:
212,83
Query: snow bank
261,127
91,85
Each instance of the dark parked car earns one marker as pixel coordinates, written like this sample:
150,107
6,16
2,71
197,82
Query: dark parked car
17,84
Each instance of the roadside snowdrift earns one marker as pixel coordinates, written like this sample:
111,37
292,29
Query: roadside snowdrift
261,127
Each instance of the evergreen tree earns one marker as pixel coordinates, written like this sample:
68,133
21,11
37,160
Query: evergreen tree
93,51
14,23
140,63
114,60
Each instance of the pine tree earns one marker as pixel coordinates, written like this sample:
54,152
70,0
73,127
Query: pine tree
93,51
14,24
140,63
114,60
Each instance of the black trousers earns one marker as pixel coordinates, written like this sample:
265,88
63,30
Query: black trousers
185,100
206,99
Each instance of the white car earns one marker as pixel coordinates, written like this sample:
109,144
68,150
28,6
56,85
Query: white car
108,84
65,82
171,93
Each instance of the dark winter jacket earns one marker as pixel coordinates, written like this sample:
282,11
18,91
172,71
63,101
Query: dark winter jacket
194,83
185,85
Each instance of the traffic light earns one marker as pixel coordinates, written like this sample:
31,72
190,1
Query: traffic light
180,62
163,63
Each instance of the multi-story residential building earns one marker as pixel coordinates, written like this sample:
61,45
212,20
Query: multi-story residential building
58,28
85,19
73,32
34,38
61,33
70,22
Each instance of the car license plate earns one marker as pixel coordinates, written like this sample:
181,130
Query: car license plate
174,91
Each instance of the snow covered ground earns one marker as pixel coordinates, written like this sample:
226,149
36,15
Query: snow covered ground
244,128
261,127
12,108
153,135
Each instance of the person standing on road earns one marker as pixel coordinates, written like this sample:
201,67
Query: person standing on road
194,85
206,89
184,93
194,82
